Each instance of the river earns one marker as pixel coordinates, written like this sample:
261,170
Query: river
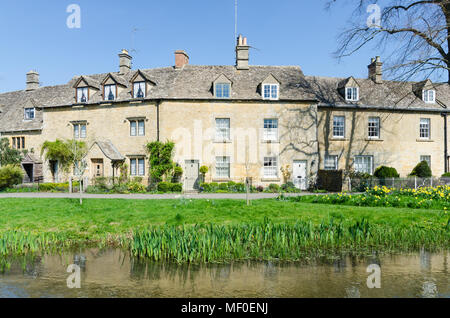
113,273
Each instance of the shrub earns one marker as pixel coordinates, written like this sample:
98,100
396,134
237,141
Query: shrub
135,187
48,187
446,175
289,187
260,188
384,172
240,187
223,186
164,187
101,183
10,176
177,173
422,170
274,188
206,187
176,187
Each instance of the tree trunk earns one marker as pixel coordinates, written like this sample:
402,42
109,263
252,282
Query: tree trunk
446,11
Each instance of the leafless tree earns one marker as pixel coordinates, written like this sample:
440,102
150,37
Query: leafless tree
415,33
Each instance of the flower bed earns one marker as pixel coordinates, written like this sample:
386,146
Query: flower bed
423,198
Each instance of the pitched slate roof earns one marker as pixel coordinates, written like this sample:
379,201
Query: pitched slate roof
109,150
388,95
191,82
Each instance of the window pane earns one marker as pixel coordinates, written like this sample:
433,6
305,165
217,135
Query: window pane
133,128
270,167
363,164
141,131
76,131
222,128
339,126
223,167
139,89
133,167
141,167
110,92
330,162
226,90
83,131
266,91
374,127
425,128
274,91
82,95
270,129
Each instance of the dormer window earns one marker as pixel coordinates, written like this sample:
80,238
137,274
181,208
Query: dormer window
352,94
82,95
109,92
222,90
270,91
29,113
139,89
429,96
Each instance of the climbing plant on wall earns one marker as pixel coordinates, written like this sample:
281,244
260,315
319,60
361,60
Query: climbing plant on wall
160,161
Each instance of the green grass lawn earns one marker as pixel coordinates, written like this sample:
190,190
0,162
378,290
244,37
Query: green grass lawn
96,218
268,229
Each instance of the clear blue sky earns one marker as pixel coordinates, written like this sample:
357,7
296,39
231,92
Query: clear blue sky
34,35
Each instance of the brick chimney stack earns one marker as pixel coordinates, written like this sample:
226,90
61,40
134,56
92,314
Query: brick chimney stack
181,59
124,62
242,53
376,70
32,80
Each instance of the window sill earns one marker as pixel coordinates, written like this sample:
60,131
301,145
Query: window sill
270,141
222,141
270,179
338,139
221,180
374,139
424,140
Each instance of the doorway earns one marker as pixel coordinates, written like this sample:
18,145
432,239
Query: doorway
98,166
192,175
299,175
28,168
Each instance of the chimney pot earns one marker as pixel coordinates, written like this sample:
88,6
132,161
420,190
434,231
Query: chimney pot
181,59
124,62
32,80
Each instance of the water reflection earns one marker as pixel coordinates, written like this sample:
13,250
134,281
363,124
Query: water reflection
114,273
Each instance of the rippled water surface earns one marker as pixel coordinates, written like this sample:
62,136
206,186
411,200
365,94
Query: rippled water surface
113,273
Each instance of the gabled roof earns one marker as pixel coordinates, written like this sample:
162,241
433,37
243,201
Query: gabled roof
117,79
90,82
348,82
222,78
109,150
31,158
145,76
270,80
389,94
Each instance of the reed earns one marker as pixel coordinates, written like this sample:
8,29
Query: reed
269,241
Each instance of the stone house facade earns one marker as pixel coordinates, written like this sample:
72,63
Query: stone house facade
240,121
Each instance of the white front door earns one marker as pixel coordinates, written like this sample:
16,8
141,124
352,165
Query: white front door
192,175
299,175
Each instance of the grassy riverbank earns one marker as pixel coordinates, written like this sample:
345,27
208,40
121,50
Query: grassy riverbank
216,230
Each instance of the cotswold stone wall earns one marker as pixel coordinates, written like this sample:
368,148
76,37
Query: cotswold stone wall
399,145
